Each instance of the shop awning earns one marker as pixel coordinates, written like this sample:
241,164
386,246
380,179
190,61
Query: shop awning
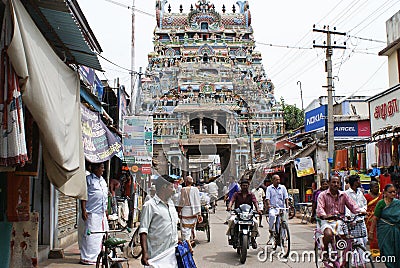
63,24
51,93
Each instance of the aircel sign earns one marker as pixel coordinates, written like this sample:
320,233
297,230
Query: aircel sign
352,130
316,119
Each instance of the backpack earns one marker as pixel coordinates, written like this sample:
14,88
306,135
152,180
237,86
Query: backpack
183,256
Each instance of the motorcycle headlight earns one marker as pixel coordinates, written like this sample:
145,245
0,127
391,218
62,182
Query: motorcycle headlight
245,216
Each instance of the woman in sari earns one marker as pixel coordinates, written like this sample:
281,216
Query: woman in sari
387,221
372,199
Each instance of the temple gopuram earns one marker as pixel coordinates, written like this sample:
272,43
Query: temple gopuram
207,92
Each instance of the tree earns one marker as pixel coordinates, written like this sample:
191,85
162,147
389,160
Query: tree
293,117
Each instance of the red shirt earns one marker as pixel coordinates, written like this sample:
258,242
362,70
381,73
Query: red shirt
249,199
330,205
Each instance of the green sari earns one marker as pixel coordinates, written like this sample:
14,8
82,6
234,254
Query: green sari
388,230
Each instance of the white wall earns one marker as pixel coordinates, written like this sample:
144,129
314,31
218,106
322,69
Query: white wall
393,69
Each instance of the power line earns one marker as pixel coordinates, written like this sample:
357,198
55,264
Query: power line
372,14
283,46
130,7
119,66
366,39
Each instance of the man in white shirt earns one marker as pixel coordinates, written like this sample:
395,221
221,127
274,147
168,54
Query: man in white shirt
212,190
260,196
355,193
158,228
189,209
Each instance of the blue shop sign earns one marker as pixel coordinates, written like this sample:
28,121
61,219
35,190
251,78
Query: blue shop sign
346,129
316,119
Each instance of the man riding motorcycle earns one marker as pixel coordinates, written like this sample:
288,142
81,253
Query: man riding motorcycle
239,198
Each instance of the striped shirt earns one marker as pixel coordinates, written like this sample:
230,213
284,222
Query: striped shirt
333,205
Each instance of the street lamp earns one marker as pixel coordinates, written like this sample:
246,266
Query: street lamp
301,95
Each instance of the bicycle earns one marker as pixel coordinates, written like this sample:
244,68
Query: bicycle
343,246
108,257
135,246
282,235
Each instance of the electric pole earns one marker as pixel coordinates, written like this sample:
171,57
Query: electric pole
133,93
328,69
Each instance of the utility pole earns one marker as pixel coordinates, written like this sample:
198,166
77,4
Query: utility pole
133,93
301,96
328,69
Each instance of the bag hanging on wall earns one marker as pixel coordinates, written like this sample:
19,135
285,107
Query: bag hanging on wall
183,256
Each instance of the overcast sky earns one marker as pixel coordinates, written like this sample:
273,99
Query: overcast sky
284,36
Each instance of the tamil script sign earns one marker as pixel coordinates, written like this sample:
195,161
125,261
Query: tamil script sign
138,139
99,143
385,110
304,166
315,120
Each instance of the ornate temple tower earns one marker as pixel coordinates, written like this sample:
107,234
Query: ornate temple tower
207,91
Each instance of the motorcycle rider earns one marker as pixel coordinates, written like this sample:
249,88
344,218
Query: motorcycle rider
239,198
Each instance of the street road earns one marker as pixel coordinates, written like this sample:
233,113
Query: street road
218,253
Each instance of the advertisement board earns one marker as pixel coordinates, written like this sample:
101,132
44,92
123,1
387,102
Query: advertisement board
354,130
315,120
304,166
138,139
385,111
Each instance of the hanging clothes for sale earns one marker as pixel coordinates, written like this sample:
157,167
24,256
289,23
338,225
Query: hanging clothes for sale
340,160
13,150
371,155
361,160
385,153
395,152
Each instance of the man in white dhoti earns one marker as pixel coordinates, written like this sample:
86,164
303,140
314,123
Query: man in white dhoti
158,227
93,215
189,209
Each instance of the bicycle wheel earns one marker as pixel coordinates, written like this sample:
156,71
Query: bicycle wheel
359,252
102,261
134,245
285,239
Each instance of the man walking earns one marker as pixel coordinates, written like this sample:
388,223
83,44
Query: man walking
158,226
189,209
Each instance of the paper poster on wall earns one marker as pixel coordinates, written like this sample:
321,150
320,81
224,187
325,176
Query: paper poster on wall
304,166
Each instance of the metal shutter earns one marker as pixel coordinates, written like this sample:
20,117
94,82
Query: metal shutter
67,215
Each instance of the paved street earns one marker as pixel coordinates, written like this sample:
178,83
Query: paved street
217,253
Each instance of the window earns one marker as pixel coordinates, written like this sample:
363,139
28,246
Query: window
204,26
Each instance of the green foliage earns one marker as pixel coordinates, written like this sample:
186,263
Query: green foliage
293,117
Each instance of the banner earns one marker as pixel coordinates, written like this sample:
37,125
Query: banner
304,166
315,120
99,143
352,130
138,139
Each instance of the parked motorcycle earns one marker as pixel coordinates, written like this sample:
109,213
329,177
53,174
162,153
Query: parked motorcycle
242,230
292,209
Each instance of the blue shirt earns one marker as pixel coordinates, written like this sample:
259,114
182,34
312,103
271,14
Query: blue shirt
276,196
97,194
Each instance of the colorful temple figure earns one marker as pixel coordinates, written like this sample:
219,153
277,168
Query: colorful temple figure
215,48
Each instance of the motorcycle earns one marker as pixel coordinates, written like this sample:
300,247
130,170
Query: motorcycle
242,229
